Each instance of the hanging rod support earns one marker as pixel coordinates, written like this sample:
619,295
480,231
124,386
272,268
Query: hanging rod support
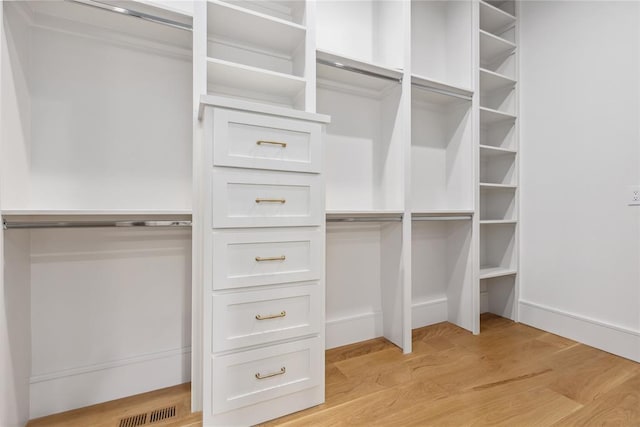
7,225
358,70
442,91
134,14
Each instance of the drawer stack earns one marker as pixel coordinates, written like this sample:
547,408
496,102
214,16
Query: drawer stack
263,264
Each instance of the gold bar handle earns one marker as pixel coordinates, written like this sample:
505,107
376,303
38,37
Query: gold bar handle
282,371
282,144
271,258
271,316
283,201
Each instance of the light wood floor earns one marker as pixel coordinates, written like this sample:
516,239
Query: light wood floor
511,375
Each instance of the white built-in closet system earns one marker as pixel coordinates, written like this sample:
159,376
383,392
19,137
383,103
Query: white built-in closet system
108,117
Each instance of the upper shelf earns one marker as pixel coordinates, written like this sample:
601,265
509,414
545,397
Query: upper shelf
144,23
435,92
494,20
493,48
246,26
354,73
490,81
363,216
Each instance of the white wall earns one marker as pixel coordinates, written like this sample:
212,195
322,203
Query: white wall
580,139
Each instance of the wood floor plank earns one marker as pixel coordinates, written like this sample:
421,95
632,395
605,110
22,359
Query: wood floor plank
619,406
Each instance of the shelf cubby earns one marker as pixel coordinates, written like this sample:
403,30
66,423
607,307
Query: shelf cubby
232,79
441,151
441,273
247,64
497,204
497,248
495,20
497,166
363,303
441,41
363,147
365,30
507,6
498,294
497,92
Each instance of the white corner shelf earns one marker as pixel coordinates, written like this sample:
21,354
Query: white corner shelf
489,151
350,72
245,26
244,77
493,19
493,47
490,116
489,272
491,81
436,92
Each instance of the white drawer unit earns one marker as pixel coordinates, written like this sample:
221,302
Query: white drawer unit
252,198
257,141
263,271
262,316
253,376
265,257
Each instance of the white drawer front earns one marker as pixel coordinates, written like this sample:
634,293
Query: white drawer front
265,257
265,142
246,378
249,198
257,317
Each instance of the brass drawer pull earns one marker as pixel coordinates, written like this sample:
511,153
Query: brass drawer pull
283,201
282,144
271,316
282,371
271,258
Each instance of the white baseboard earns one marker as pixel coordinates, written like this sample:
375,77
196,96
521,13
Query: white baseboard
75,388
595,333
352,329
366,326
427,313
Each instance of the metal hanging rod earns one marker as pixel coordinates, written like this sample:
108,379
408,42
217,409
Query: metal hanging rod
442,91
134,14
441,218
366,219
8,225
358,70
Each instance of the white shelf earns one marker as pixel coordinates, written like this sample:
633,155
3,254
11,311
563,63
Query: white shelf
490,116
443,212
437,92
244,77
493,47
491,272
354,73
491,151
494,20
498,221
487,185
253,28
490,81
341,214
